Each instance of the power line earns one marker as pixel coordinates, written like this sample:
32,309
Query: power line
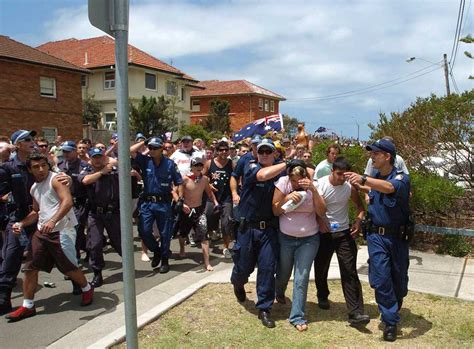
372,88
457,34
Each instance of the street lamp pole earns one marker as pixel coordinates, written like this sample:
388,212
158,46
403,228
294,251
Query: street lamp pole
445,65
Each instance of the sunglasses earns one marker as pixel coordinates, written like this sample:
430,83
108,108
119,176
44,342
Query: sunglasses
153,148
42,145
198,165
265,151
27,139
222,149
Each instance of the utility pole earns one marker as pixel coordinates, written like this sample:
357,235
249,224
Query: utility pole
446,77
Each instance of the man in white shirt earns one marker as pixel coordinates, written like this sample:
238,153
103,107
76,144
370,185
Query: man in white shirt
182,157
338,236
324,167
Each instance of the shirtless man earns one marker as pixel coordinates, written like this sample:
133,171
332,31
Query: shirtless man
193,214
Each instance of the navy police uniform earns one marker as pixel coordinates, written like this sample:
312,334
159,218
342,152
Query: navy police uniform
387,245
79,195
257,238
156,200
104,212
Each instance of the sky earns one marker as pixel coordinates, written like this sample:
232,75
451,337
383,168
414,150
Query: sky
338,63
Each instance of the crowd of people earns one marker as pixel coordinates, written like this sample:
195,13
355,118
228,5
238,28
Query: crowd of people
271,205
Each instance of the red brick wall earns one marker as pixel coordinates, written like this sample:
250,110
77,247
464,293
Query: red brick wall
243,109
22,107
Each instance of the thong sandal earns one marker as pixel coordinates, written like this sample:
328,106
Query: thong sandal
301,327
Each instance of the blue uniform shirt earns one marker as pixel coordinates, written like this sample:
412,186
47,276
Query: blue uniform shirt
19,182
256,197
391,210
240,167
104,192
73,169
158,180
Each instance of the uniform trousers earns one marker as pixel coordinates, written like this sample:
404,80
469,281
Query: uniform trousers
256,247
82,213
346,251
95,241
388,273
162,214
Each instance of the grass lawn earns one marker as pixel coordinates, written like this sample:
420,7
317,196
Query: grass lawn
212,318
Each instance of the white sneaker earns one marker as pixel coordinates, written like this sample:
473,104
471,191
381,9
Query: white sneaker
226,253
145,257
192,243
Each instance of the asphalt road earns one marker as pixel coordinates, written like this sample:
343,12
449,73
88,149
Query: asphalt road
59,312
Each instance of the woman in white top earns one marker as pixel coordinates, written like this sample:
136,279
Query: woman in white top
298,238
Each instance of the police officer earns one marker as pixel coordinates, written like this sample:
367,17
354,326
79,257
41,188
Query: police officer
102,184
258,231
387,232
159,175
19,181
72,165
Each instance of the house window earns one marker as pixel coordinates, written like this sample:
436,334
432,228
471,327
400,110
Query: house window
266,105
50,133
109,80
84,80
196,105
183,96
110,121
260,104
272,106
150,81
171,88
47,87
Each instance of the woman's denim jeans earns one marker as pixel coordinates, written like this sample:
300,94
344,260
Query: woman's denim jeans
299,252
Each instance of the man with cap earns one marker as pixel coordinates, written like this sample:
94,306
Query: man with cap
18,181
239,168
257,237
72,165
399,163
159,175
182,157
101,180
388,231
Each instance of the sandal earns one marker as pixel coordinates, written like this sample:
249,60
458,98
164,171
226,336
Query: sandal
301,327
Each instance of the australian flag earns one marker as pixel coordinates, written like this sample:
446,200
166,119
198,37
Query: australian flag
322,129
261,126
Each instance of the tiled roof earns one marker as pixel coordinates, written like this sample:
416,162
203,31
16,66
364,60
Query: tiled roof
100,52
233,87
14,50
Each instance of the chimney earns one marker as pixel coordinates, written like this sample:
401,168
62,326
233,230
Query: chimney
86,61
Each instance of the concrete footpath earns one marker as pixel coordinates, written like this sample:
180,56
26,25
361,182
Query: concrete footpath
428,273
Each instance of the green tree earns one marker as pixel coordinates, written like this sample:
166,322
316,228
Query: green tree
152,116
434,127
290,125
468,39
218,118
195,131
91,111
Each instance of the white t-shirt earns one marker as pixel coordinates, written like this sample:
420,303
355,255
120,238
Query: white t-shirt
323,169
399,165
337,202
49,203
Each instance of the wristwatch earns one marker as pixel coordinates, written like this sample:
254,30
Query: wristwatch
363,179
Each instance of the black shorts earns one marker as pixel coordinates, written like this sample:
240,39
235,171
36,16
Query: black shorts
56,248
225,215
196,220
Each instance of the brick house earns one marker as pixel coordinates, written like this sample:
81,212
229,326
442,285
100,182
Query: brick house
147,75
248,101
39,92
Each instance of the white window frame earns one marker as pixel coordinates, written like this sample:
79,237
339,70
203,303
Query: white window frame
267,105
156,82
171,83
260,104
109,84
272,106
43,90
196,105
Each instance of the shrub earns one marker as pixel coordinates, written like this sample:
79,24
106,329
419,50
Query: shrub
454,245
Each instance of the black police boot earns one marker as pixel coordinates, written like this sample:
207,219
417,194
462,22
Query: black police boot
5,300
323,303
400,303
155,262
390,333
76,289
359,319
239,292
264,316
165,267
97,281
